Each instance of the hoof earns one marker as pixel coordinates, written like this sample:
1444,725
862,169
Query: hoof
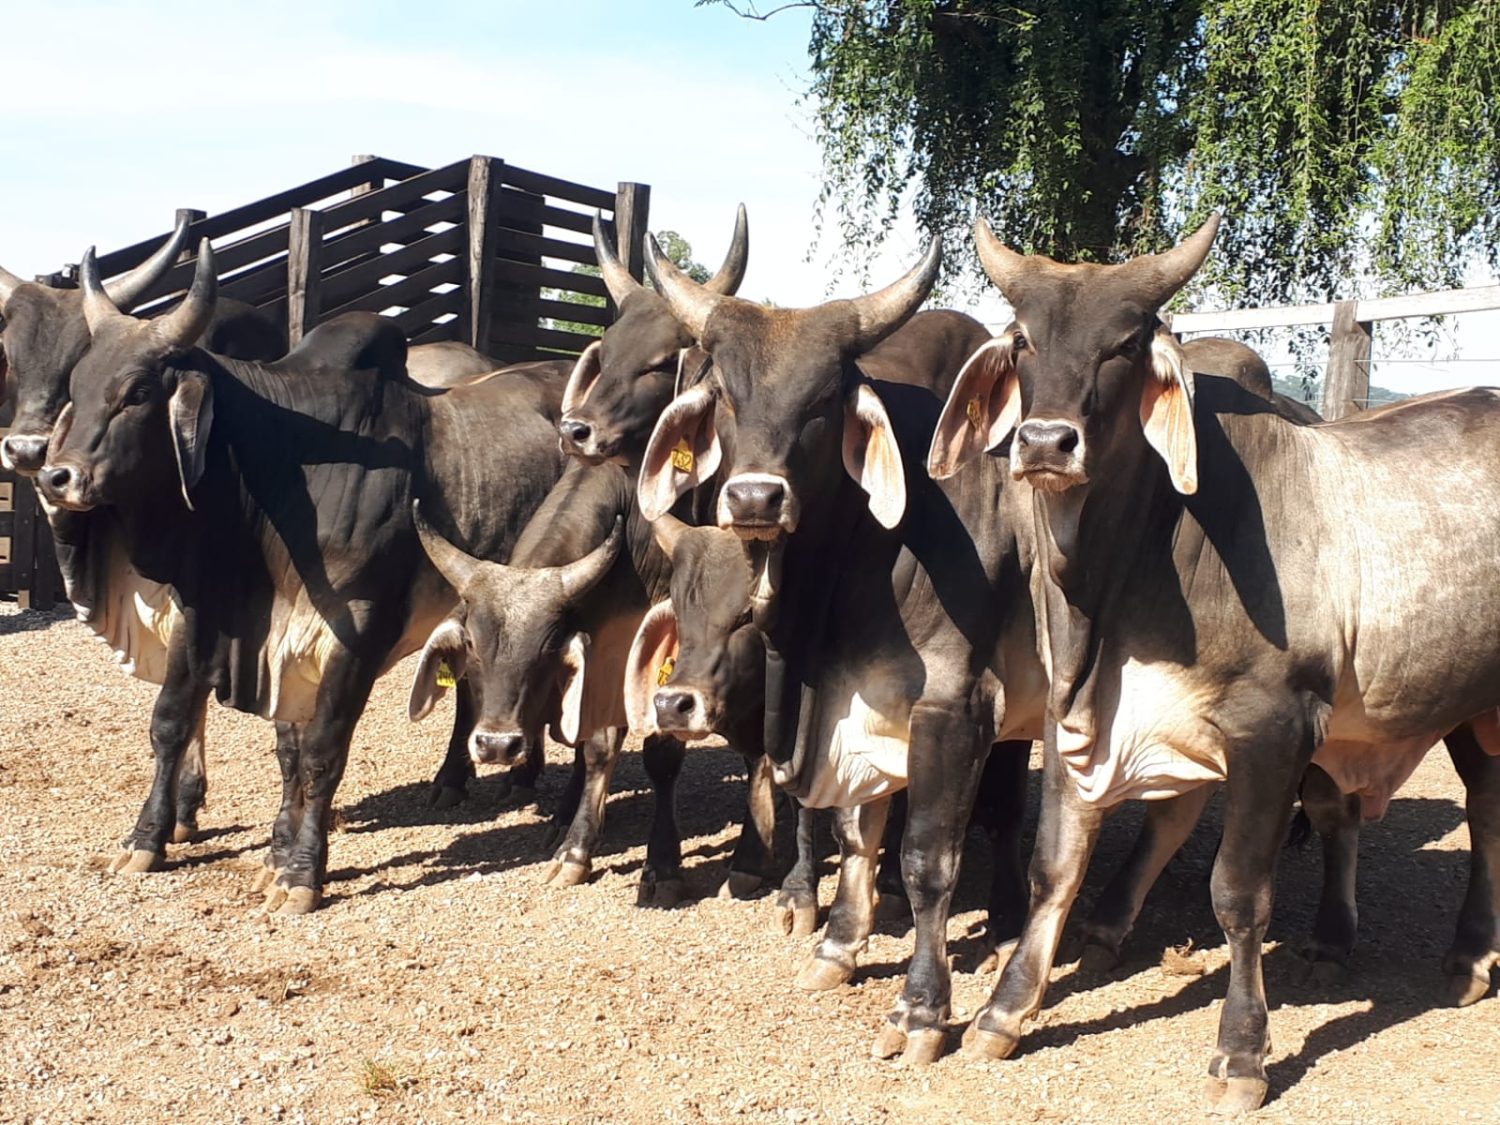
1231,1097
566,873
1098,958
890,1041
447,797
663,894
989,1044
1317,972
298,900
517,796
1461,989
263,880
893,908
795,920
275,896
136,862
740,884
924,1046
183,832
820,974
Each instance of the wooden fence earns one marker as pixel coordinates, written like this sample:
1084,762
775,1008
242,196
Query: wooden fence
1346,383
479,251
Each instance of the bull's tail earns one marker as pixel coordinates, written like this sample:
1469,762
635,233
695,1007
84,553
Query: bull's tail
1301,830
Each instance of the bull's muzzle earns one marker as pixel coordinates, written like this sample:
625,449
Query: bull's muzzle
65,486
504,748
1049,454
758,506
24,453
682,711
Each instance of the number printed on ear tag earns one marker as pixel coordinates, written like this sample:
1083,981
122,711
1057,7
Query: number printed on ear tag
682,457
445,675
975,412
664,673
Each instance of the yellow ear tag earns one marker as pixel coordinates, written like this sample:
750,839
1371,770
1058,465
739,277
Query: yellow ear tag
445,675
682,457
664,673
975,412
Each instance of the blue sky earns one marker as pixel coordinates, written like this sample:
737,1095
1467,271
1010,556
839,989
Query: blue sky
117,114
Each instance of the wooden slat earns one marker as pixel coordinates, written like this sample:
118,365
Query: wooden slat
567,310
404,293
7,495
436,332
341,287
1446,302
561,189
523,273
260,285
452,178
341,248
564,219
531,336
1238,320
422,314
540,245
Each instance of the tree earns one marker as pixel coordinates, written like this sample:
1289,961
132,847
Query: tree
672,244
1359,138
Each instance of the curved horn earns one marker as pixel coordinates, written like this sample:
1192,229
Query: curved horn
882,312
8,283
454,565
180,329
690,302
1007,269
667,529
97,307
579,577
617,278
127,291
732,272
1158,276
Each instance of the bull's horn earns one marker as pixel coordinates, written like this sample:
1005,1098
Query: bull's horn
97,307
732,272
882,312
126,292
617,278
667,529
579,577
1158,276
690,302
1005,267
8,283
454,565
180,329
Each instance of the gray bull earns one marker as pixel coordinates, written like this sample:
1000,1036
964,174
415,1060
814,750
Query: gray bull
273,502
1222,594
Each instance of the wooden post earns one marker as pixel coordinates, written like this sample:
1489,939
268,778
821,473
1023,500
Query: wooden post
486,176
374,185
1346,385
632,209
23,545
304,277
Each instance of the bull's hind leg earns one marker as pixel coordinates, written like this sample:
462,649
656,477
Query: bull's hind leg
1001,808
1166,828
797,900
890,902
289,816
661,877
573,859
1476,945
191,786
755,852
852,916
1335,816
451,785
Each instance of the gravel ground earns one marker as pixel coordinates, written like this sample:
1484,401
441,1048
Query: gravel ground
441,981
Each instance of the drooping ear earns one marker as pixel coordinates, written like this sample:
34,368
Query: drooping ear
581,379
192,415
692,364
871,455
575,663
653,654
683,452
981,410
1167,412
444,659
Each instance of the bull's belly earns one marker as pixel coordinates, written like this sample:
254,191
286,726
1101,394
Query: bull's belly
1154,739
1373,771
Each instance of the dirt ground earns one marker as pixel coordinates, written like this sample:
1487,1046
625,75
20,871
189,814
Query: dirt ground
442,982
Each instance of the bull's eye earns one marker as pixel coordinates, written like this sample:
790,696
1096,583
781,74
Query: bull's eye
1018,342
138,394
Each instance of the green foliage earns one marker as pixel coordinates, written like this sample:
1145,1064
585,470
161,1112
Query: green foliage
1347,138
672,244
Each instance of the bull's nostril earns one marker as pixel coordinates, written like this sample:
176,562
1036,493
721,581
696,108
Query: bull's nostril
58,479
683,703
575,430
1069,442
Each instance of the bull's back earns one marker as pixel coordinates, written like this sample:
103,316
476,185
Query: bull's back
927,351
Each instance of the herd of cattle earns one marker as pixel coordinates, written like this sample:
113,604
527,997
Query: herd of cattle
875,549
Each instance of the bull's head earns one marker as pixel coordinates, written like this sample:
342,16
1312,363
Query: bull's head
621,383
512,637
1084,375
45,336
799,405
139,418
697,665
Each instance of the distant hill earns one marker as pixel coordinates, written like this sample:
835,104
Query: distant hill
1293,388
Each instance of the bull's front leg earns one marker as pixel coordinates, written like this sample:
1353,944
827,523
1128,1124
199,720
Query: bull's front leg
946,758
1476,945
594,766
755,851
1001,808
451,785
289,817
661,877
797,901
859,831
1067,830
191,785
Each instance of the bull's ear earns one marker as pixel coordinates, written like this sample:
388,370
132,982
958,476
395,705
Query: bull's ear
581,380
444,658
872,456
683,452
191,412
653,654
1167,412
981,410
575,666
